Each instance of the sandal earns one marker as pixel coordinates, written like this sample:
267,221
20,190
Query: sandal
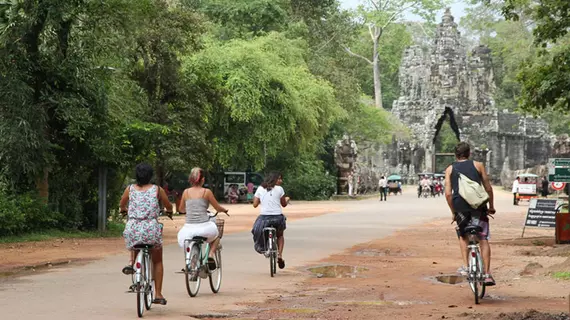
281,263
212,264
489,281
161,301
128,269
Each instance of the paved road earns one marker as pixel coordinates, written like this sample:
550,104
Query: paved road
97,290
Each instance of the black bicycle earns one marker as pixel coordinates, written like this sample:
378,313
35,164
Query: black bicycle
271,248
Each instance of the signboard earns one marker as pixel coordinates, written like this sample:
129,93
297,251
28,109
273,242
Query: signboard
559,169
541,213
558,185
527,188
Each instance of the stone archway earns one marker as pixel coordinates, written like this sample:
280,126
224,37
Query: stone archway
443,156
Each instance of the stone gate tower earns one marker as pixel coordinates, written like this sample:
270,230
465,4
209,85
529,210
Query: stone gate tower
447,84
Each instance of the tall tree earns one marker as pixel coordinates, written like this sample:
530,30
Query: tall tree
545,82
379,15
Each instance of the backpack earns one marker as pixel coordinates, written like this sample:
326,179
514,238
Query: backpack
472,192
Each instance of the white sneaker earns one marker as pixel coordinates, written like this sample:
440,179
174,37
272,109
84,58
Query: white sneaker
462,270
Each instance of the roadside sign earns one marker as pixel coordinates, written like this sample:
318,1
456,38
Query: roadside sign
541,213
559,169
558,185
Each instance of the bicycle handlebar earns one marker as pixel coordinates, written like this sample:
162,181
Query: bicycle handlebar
215,214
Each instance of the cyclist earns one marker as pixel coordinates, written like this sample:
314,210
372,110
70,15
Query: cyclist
272,198
460,208
143,201
196,200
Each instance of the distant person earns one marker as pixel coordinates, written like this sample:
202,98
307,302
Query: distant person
141,201
544,189
383,184
516,190
250,187
463,213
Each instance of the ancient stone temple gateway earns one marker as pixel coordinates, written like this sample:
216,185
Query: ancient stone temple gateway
447,84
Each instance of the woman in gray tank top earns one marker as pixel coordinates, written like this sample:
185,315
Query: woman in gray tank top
195,203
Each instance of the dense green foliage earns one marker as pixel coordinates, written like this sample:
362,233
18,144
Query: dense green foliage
242,84
529,78
543,76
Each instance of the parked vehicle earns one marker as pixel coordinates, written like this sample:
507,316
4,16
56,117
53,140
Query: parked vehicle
527,186
235,185
394,184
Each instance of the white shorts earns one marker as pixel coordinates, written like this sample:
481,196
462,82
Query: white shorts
207,230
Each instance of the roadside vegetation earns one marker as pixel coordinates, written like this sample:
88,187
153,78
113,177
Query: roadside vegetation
225,85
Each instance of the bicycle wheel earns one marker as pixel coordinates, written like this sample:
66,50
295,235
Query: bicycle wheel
474,273
192,270
140,288
481,276
215,276
149,288
270,247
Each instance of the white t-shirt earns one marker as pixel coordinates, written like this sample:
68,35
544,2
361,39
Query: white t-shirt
515,186
270,200
383,183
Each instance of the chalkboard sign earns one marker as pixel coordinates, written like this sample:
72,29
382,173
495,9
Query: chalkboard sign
542,213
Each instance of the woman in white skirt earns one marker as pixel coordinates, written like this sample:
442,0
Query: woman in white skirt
195,203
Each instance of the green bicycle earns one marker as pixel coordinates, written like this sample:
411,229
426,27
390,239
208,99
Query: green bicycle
196,252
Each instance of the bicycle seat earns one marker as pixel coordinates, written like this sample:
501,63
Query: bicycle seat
269,228
473,229
199,238
143,246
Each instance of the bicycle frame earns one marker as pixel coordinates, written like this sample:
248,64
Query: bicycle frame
204,253
270,234
139,275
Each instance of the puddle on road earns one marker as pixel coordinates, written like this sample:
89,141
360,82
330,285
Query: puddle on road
450,279
211,316
382,303
383,253
336,271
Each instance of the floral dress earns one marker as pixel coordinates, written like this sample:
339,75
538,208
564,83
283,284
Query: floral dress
142,226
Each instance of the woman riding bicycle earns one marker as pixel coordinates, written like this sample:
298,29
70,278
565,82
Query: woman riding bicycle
196,200
143,202
272,198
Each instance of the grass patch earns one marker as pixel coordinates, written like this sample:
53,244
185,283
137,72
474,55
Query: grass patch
114,229
561,275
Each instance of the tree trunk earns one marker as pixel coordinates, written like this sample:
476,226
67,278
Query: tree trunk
377,83
42,185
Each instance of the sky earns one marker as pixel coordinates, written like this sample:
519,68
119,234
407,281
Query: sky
457,8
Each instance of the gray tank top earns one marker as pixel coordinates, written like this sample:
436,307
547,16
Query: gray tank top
197,211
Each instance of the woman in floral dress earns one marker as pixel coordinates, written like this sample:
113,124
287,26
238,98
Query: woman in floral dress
143,200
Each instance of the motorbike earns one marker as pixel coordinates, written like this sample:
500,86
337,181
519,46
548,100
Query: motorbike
426,191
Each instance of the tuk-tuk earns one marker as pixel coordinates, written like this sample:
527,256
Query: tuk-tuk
527,186
394,184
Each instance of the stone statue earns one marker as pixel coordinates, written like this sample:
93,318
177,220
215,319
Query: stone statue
561,147
345,159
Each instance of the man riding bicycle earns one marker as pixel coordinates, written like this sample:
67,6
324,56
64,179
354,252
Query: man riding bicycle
462,212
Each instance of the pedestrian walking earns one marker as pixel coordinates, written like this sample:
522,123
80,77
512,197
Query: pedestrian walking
382,185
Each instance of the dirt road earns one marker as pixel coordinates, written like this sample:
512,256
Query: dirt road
395,266
97,290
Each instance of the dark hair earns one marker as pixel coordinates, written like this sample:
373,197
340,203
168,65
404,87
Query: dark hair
382,177
271,180
143,173
462,150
